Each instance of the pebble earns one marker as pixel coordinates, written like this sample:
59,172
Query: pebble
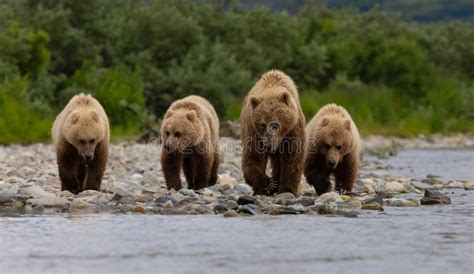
377,199
48,202
186,192
231,213
394,187
421,185
246,210
242,188
455,184
401,202
345,198
329,197
164,199
244,200
292,209
373,207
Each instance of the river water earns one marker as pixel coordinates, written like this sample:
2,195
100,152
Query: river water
426,239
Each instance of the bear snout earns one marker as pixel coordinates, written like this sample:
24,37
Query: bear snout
332,163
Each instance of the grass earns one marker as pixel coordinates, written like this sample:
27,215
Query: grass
375,109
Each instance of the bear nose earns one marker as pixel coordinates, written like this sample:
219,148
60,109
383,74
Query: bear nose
88,157
332,163
167,147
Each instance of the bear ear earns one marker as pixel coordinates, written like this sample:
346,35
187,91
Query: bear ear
285,98
191,115
94,116
255,101
169,114
347,124
325,122
74,117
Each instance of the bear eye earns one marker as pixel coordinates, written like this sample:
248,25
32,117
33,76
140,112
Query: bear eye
262,126
177,134
328,146
274,127
339,147
91,141
167,133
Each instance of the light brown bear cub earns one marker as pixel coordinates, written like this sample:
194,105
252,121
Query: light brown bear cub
189,134
81,138
334,148
272,124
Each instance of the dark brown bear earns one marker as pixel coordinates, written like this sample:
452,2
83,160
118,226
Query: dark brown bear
81,138
189,134
334,148
272,125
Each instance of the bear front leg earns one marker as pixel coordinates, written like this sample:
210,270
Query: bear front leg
346,173
171,166
292,153
254,166
68,162
317,175
214,169
96,168
290,173
188,171
68,179
202,166
276,167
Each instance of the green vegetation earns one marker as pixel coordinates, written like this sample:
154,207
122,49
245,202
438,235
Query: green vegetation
394,76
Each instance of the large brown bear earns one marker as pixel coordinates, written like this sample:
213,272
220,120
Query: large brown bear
272,124
81,138
189,134
334,148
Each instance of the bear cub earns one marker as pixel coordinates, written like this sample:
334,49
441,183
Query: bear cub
334,148
272,125
189,135
81,139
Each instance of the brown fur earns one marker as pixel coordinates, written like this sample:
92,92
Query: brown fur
80,131
272,124
332,137
189,134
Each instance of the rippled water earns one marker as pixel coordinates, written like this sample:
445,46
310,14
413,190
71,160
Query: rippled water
427,239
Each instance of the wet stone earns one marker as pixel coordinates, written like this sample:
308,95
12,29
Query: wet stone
221,207
373,207
163,199
377,199
242,188
292,209
231,213
246,209
244,200
231,204
433,197
186,192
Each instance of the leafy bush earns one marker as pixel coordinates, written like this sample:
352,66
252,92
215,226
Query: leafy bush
137,57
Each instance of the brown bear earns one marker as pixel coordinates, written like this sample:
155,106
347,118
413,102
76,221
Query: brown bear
81,138
189,135
272,124
334,148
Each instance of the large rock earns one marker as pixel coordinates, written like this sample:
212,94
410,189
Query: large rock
433,197
36,192
329,197
394,187
49,202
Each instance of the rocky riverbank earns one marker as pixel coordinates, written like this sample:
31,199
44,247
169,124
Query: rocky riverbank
134,184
